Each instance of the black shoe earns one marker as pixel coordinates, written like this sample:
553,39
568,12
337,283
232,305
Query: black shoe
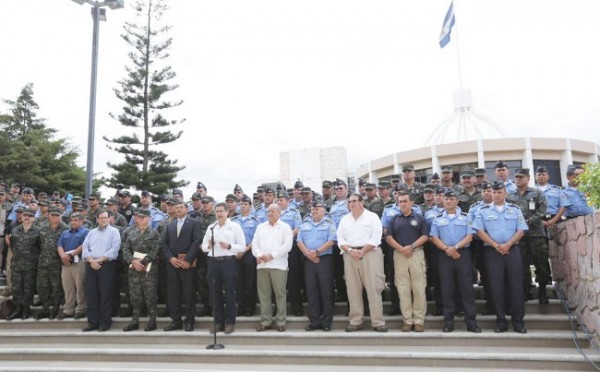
189,327
311,327
104,328
54,312
394,312
173,326
326,328
474,329
521,329
79,316
151,326
448,328
64,316
16,314
90,327
44,313
131,326
500,329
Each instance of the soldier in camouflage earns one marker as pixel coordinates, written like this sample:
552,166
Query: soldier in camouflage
415,189
470,194
93,209
49,283
534,248
140,250
25,244
207,218
447,179
372,201
112,204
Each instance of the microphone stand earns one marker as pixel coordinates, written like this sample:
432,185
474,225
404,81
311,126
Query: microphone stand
214,345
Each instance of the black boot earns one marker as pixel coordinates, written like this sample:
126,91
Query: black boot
17,314
151,326
54,311
44,313
26,312
133,325
542,296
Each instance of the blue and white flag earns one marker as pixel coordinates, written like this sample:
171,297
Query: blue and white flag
447,26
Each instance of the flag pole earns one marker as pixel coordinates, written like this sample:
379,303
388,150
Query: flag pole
460,84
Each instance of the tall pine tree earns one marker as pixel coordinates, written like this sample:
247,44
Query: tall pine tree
31,155
143,90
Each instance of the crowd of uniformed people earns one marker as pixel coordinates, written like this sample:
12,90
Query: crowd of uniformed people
422,241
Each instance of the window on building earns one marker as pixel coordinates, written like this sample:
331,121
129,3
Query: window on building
490,168
553,170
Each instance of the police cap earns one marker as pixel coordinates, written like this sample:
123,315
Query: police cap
498,185
230,197
408,168
522,172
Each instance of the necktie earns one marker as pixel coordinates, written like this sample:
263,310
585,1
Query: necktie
179,224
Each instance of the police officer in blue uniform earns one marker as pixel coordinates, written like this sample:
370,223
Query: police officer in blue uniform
502,174
246,262
501,225
431,252
339,208
578,201
315,240
451,233
556,200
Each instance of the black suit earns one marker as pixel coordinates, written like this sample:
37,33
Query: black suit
181,283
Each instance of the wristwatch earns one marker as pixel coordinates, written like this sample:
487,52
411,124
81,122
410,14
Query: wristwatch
350,249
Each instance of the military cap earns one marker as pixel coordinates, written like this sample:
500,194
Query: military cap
395,179
246,199
15,184
501,164
81,207
77,198
408,168
362,182
298,184
200,185
177,192
280,187
486,185
76,215
111,201
283,194
306,190
2,191
435,176
290,191
42,194
111,213
56,193
28,211
541,169
27,190
19,209
44,203
498,185
450,193
34,201
95,195
479,172
269,190
571,168
230,197
124,193
146,193
440,190
260,189
237,188
172,201
370,186
384,185
522,172
255,196
339,182
429,188
208,199
446,169
326,184
143,212
196,196
164,197
318,203
55,210
467,173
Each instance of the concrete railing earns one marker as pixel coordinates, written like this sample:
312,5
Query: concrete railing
575,259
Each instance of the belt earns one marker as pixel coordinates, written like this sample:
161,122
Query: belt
221,258
416,249
358,247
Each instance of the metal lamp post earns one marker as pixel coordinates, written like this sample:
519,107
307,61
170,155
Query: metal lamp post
98,14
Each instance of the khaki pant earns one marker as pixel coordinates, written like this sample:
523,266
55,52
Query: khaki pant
411,280
369,273
270,281
73,281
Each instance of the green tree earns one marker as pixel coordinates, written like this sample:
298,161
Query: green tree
589,183
143,91
30,154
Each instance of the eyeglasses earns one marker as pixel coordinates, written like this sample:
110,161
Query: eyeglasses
352,201
339,188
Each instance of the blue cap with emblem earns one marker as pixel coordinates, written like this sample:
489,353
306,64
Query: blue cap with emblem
498,185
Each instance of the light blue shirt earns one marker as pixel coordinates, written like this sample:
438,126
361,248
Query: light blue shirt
292,217
339,209
500,225
451,229
156,217
555,198
314,234
102,242
248,224
578,203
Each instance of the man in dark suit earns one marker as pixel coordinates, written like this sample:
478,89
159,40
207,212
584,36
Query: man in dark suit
181,249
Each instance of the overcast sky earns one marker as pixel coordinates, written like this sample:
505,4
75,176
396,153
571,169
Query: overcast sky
260,77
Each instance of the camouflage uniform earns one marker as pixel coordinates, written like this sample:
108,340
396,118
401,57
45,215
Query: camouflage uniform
415,191
466,200
162,264
142,284
26,248
42,222
91,218
374,205
205,221
120,220
49,282
534,247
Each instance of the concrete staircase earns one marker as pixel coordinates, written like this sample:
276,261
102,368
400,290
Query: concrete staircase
59,345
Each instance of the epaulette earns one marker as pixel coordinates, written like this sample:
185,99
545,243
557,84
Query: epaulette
513,205
389,206
439,215
464,214
486,206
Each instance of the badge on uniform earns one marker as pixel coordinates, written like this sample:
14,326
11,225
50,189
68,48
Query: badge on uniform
443,222
413,222
128,212
531,205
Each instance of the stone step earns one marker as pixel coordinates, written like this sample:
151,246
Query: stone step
460,337
354,355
